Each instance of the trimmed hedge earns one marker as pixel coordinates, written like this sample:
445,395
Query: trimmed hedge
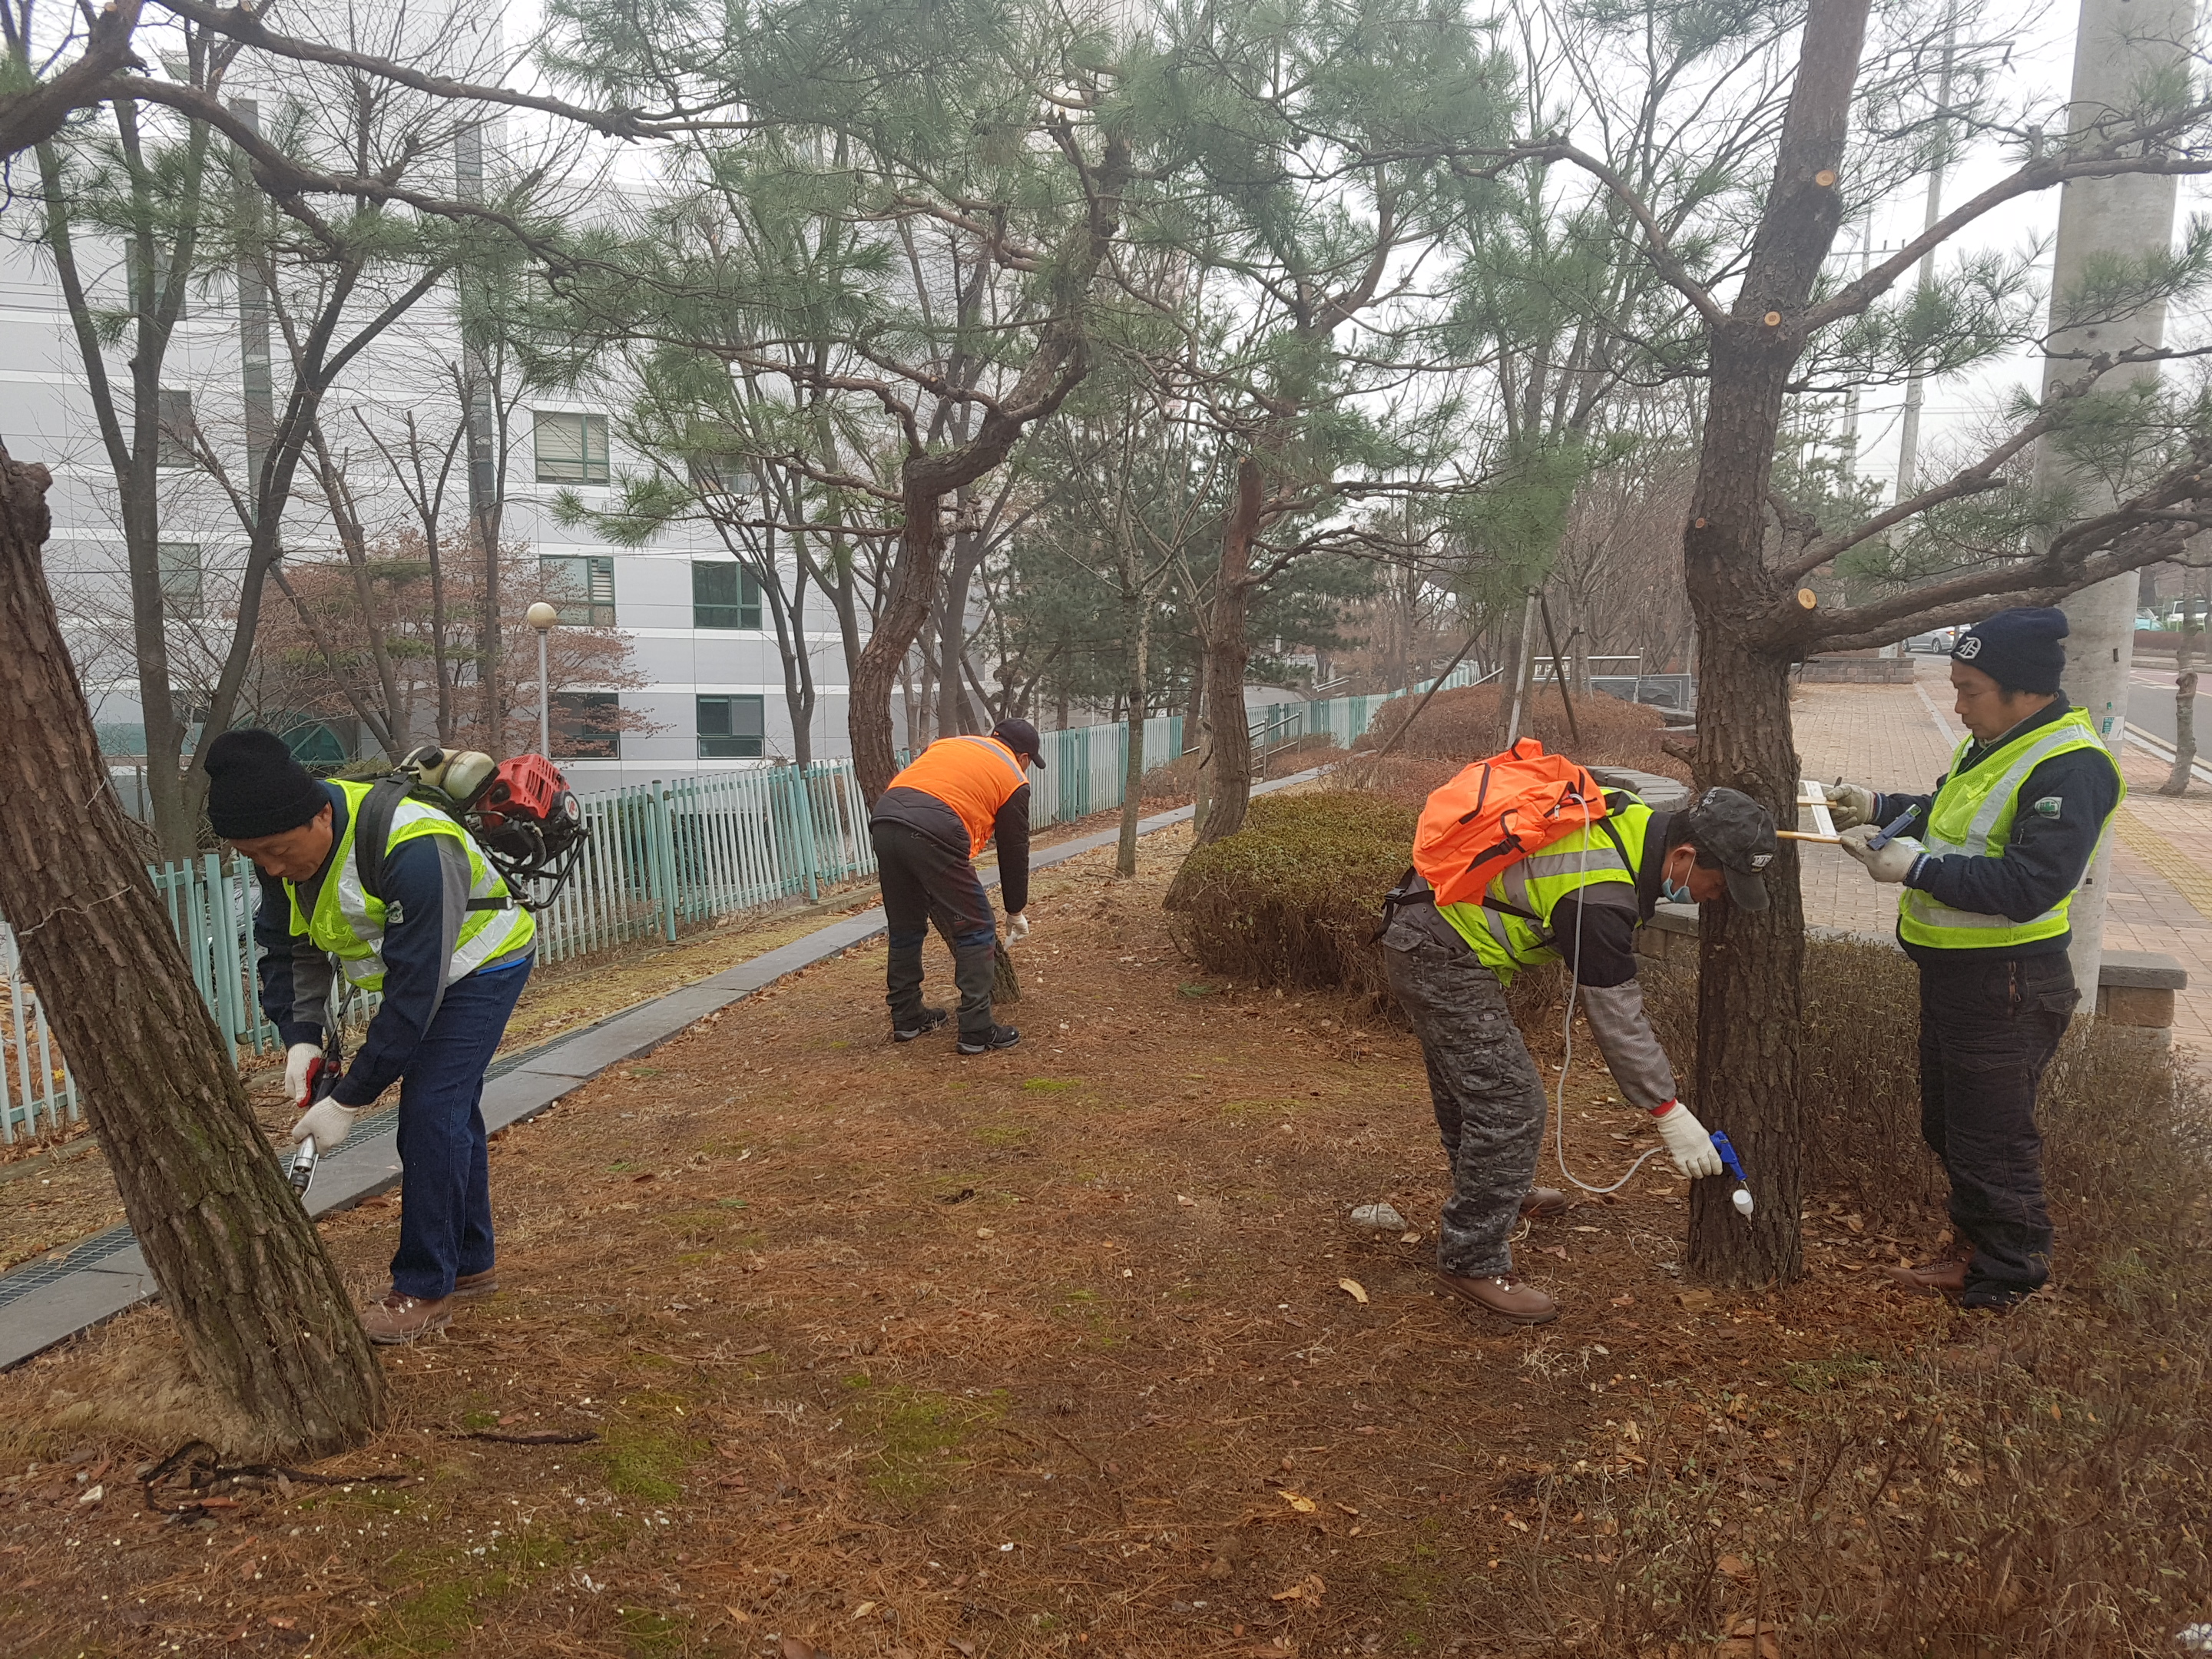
1293,899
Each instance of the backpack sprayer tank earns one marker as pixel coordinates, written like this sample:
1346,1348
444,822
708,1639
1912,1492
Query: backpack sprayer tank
521,811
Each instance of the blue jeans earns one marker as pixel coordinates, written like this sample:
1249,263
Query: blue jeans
444,1178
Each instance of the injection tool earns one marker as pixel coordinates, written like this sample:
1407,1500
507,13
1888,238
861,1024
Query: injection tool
1742,1196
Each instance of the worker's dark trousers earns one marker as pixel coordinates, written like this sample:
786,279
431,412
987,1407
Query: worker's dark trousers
1488,1098
1987,1029
925,881
444,1178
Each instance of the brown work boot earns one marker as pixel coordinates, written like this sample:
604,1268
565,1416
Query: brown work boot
1503,1295
1543,1203
394,1318
1943,1274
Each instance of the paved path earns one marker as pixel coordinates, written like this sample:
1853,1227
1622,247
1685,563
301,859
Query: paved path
53,1299
2150,703
1897,737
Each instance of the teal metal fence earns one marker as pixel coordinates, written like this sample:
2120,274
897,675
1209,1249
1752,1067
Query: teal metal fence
662,856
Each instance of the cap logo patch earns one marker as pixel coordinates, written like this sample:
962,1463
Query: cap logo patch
1760,860
1968,648
2049,805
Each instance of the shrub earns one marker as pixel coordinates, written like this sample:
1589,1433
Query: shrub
2127,1134
1293,899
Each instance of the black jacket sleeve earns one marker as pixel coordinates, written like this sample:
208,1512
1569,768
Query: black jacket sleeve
1011,830
2049,850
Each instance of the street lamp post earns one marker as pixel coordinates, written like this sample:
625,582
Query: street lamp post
542,616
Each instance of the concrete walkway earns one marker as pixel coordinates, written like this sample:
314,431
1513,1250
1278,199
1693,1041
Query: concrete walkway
1898,737
53,1298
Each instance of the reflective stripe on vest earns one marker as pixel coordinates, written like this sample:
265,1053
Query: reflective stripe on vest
349,925
975,776
1973,815
1506,943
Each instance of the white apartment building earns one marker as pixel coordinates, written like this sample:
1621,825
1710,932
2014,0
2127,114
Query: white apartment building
703,648
703,685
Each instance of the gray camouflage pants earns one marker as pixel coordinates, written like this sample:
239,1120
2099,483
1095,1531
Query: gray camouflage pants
1489,1099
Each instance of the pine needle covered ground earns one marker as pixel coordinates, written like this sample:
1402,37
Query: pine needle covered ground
1072,1351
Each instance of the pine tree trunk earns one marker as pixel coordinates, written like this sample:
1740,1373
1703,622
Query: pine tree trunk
1750,996
906,609
1750,999
264,1313
1133,775
1228,764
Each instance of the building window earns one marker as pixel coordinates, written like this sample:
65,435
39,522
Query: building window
173,446
722,475
583,725
150,302
571,448
181,577
581,588
732,728
724,595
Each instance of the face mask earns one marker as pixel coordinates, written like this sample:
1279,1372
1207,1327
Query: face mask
1673,894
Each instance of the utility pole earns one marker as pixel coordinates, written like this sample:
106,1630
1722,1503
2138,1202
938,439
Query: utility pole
2123,47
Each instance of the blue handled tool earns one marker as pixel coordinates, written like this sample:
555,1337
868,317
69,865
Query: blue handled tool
1895,827
1742,1196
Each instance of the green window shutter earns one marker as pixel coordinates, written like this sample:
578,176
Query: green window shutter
183,579
583,725
172,444
570,448
724,595
581,588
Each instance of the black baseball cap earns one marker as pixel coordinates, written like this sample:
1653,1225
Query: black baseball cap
1022,738
1735,832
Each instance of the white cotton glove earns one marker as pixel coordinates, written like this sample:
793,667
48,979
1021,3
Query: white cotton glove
1686,1140
1017,928
325,1122
1850,805
1891,862
297,1058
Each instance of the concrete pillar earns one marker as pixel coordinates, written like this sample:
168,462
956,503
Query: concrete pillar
2123,46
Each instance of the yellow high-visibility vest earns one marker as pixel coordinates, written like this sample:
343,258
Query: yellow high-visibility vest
1506,942
349,925
1973,814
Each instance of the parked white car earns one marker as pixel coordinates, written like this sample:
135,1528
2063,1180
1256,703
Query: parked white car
1937,640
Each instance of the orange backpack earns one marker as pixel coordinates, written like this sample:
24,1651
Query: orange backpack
1496,812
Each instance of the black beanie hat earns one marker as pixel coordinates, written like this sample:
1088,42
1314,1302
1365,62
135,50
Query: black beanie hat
2018,647
256,788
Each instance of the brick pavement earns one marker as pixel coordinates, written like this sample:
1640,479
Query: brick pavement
1896,736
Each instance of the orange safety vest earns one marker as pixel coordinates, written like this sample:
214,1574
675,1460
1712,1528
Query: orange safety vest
973,776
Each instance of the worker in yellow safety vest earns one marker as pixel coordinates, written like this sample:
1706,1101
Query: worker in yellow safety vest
436,932
1579,901
1987,888
959,795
